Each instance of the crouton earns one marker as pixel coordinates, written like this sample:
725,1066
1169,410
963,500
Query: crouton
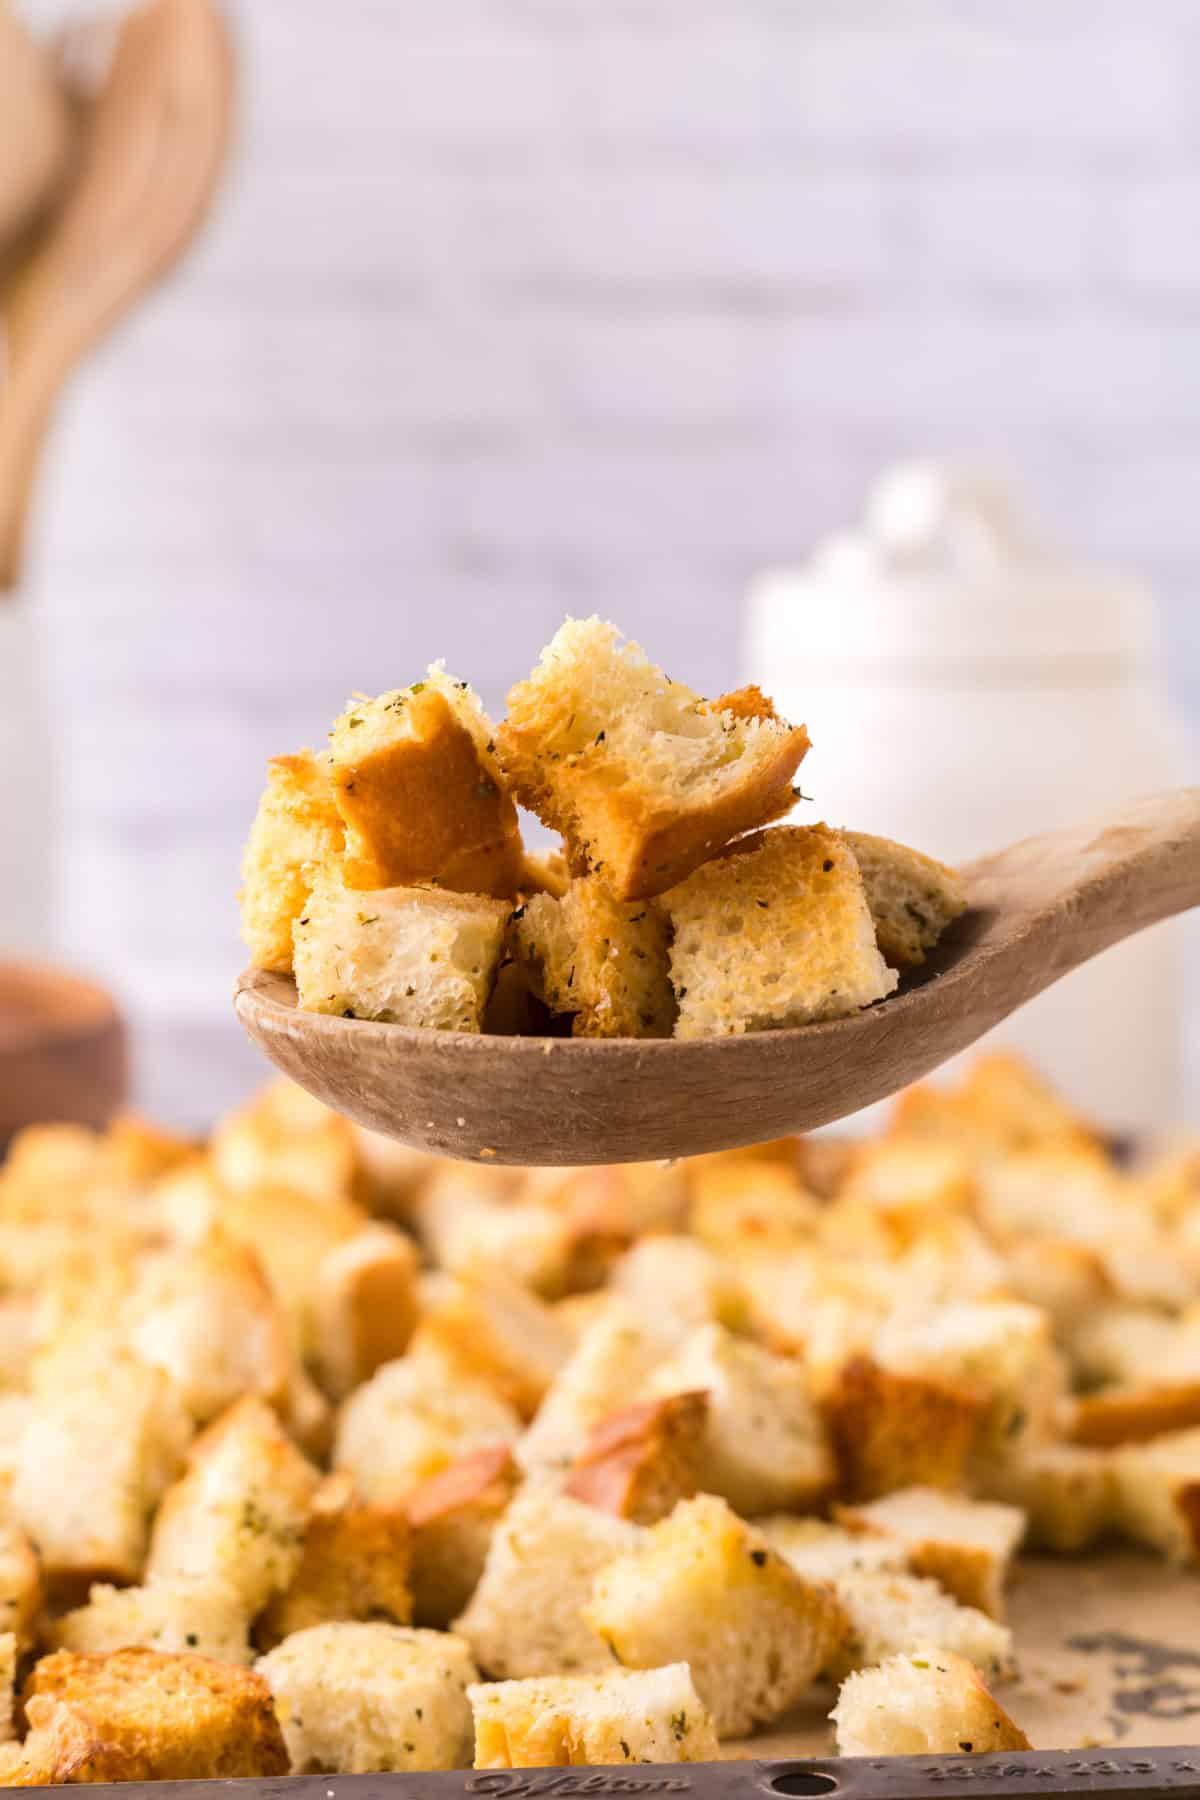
525,1616
8,1676
927,1703
610,1362
642,777
911,1183
745,1206
625,1715
125,1426
21,1594
165,1718
470,1226
416,782
765,1448
1068,1494
821,1551
890,1429
912,898
616,1203
408,1422
1057,1189
708,1589
967,1545
1135,1413
239,1512
355,1698
603,960
681,1277
286,1138
544,872
364,1308
404,955
1002,1349
1125,1343
452,1517
63,1748
496,1331
637,1463
291,1233
295,831
775,931
184,1613
354,1565
1067,1280
890,1613
1158,1493
1001,1105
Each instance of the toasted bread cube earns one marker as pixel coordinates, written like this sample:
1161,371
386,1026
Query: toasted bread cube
926,1703
239,1512
496,1331
8,1677
416,781
639,1462
775,931
967,1545
525,1616
365,1306
180,1615
625,1715
1121,1342
821,1551
354,1565
412,1420
912,898
601,959
406,955
355,1698
1002,1105
97,1452
1158,1493
21,1591
620,1202
765,1448
1067,1280
752,1631
470,1226
296,830
679,1276
453,1517
740,1207
892,1612
893,1430
1135,1413
167,1718
612,1360
286,1138
1002,1349
642,777
291,1233
1068,1494
1057,1189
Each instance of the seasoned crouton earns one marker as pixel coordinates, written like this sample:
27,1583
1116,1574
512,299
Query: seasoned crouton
967,1545
637,1463
681,1277
21,1594
413,1419
890,1429
912,898
291,1233
354,1698
1002,1349
496,1331
452,1518
708,1589
821,1551
1067,1280
1001,1105
416,781
625,1715
354,1565
775,931
610,1362
545,872
1126,1343
125,1426
765,1448
1158,1493
642,777
405,955
1068,1494
927,1703
296,830
742,1206
890,1613
8,1676
471,1225
603,960
168,1718
184,1613
240,1509
910,1183
286,1138
64,1749
525,1616
365,1306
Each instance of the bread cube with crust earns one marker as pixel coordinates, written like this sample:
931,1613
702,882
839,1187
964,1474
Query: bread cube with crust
639,1462
356,1698
126,1427
1068,1493
1158,1493
604,961
1003,1349
643,778
296,830
470,1224
622,1716
665,1273
967,1545
743,1207
239,1512
765,1447
775,931
892,1612
286,1138
404,955
353,1565
452,1519
158,1717
1001,1105
21,1589
822,1551
912,898
1137,1412
8,1678
929,1702
186,1613
611,1361
412,1420
525,1617
365,1306
707,1588
417,784
493,1329
891,1429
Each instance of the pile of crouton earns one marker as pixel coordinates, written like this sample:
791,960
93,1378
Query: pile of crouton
388,874
319,1454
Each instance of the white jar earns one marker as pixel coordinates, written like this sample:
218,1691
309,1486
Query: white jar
26,788
965,687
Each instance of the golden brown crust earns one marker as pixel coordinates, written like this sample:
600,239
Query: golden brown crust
296,827
354,1565
637,1463
453,1515
1132,1415
891,1430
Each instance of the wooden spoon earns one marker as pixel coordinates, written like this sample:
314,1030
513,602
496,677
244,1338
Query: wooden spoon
152,149
1036,911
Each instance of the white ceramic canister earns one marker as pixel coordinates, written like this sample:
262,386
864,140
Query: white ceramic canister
26,788
964,687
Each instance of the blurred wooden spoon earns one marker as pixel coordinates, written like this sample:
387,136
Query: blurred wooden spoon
153,146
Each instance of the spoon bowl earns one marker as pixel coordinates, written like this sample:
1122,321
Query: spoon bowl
1035,912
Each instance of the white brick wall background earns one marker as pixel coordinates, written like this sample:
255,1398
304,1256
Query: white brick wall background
513,307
